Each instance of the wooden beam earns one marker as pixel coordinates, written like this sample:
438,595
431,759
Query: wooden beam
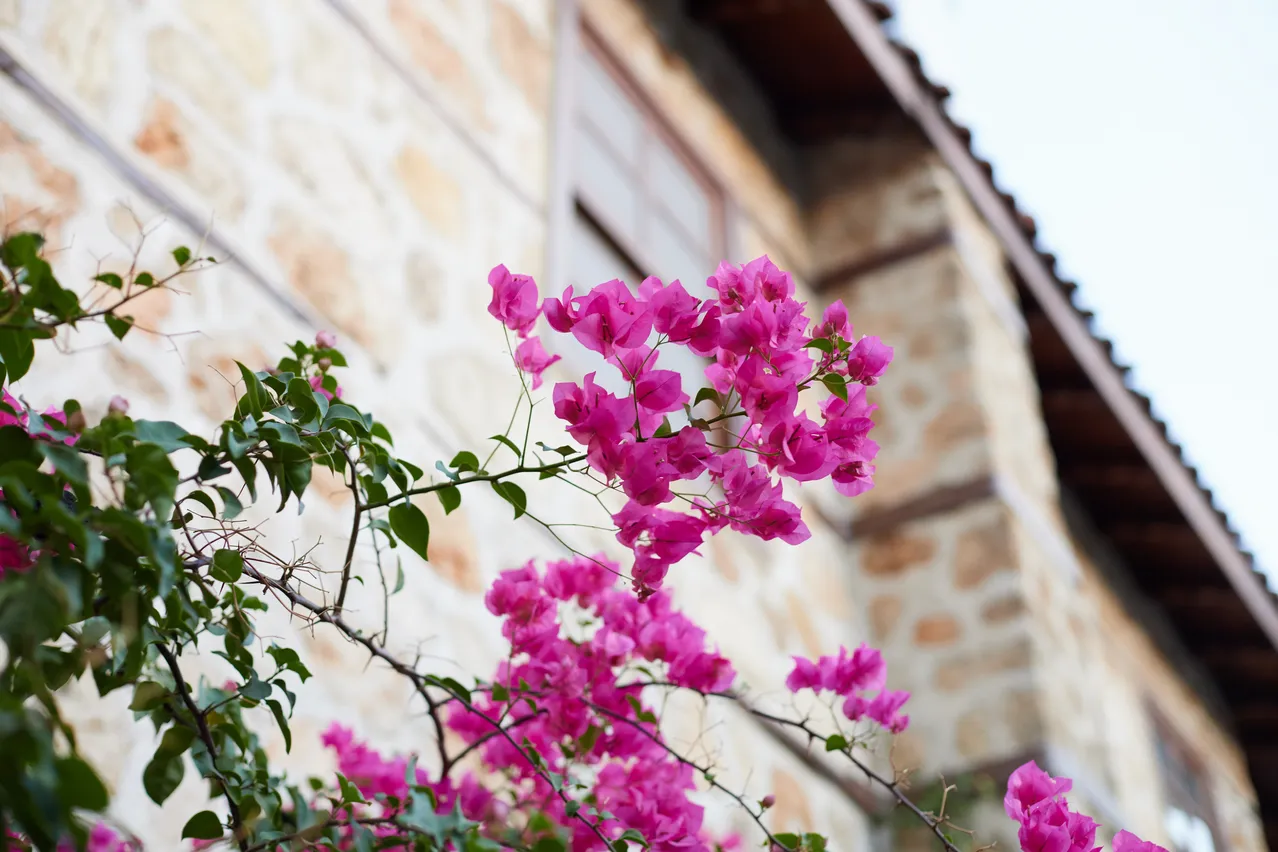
917,99
883,258
935,502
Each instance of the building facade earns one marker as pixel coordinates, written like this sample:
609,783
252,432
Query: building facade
1036,562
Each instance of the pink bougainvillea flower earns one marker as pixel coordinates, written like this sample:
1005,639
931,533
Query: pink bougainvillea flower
12,412
317,385
533,359
514,300
325,339
868,360
1125,841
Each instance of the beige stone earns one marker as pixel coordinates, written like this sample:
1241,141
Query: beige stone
981,552
937,629
320,271
913,395
969,667
1002,609
134,376
885,612
972,738
161,139
889,554
317,43
425,280
522,55
435,193
453,551
213,375
168,138
182,61
237,29
9,13
791,811
431,51
802,621
79,37
332,486
960,421
37,195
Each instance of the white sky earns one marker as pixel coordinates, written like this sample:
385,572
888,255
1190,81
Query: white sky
1141,135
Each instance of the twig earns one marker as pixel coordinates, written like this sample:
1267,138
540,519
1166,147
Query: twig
202,727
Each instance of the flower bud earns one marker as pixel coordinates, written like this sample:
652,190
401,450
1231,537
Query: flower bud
325,339
76,423
324,364
118,405
841,367
767,801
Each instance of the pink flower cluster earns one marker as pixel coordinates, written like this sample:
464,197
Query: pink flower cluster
375,775
12,413
761,351
1036,800
15,556
851,676
515,304
580,714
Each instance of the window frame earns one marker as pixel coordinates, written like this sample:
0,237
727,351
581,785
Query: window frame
1173,752
656,129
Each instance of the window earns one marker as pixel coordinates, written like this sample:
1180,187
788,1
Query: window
642,206
1187,814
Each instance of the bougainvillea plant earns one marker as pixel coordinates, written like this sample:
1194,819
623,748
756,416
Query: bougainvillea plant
120,554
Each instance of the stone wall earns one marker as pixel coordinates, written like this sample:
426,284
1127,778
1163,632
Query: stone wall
987,603
361,166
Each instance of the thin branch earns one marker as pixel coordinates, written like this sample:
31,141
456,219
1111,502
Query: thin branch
206,736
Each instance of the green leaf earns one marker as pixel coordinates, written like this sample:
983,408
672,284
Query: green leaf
119,325
350,793
411,527
204,500
550,843
182,255
165,434
66,461
205,825
176,741
708,395
79,785
502,439
228,565
465,460
231,505
379,430
16,350
255,395
789,841
341,413
449,497
641,714
281,719
152,475
514,495
835,742
148,695
836,384
162,775
630,835
819,343
814,842
110,279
